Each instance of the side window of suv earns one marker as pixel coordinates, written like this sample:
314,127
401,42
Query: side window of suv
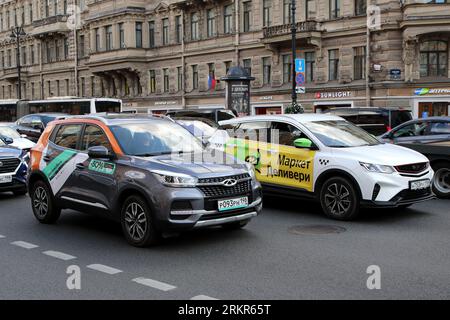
25,121
67,136
439,128
287,134
94,137
411,130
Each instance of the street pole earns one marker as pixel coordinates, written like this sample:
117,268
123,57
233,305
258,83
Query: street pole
294,54
17,32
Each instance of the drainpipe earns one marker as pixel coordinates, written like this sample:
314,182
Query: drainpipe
75,68
183,66
368,99
237,31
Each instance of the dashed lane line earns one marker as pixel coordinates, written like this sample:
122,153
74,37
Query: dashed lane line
2,236
23,244
203,297
59,255
154,284
103,268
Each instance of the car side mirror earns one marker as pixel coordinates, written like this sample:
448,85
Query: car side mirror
303,143
99,152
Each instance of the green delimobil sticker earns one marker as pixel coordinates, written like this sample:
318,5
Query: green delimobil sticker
57,163
102,167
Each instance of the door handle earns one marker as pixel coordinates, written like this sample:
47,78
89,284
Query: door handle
80,166
47,158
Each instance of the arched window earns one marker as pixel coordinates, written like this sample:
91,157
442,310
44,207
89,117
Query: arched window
434,58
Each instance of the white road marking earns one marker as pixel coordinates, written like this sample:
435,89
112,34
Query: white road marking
59,255
103,268
154,284
24,244
203,297
2,236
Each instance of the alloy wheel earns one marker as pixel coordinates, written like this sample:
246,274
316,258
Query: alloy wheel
136,221
337,199
40,202
442,180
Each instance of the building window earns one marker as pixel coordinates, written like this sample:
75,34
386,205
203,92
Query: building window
195,77
83,87
227,66
30,8
210,23
311,9
335,8
359,63
434,59
166,80
165,31
65,6
267,70
93,86
32,91
57,50
67,87
121,36
32,58
360,7
108,38
178,26
66,49
310,60
152,82
227,18
247,13
151,34
333,64
138,31
47,8
287,68
58,92
97,40
267,13
287,17
247,63
180,78
24,55
194,26
211,70
81,51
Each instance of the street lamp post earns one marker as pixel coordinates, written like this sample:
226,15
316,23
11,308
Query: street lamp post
294,53
17,32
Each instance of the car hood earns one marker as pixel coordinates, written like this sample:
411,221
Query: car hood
9,152
385,154
23,143
196,165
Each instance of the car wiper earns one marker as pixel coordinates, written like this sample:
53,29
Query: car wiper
150,154
338,146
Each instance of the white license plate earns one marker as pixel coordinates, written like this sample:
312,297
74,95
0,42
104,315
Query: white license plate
5,179
419,184
230,204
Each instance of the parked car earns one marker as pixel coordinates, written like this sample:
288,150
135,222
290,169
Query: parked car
201,128
324,157
374,120
33,125
140,172
431,137
8,130
13,169
420,131
214,114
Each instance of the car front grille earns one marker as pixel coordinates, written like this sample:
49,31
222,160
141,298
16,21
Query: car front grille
221,179
413,168
9,165
242,187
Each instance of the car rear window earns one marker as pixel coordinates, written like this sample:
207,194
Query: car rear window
399,117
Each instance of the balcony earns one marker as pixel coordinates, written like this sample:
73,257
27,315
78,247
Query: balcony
282,33
10,73
50,25
425,18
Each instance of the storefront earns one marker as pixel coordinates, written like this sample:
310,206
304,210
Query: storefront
430,102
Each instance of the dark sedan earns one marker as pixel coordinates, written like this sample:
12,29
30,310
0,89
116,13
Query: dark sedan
33,125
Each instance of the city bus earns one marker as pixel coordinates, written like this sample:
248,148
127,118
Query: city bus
11,110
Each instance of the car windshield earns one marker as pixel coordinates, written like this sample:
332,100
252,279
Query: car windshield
340,134
155,138
197,128
9,132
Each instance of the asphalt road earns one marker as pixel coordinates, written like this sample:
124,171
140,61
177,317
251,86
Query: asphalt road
266,260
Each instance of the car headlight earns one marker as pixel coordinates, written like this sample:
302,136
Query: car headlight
251,170
175,179
377,168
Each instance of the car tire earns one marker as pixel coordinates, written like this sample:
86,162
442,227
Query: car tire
236,225
43,203
137,222
20,192
339,199
441,182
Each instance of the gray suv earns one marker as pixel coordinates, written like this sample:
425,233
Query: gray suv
149,174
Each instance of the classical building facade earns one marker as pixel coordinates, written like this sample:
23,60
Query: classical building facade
158,55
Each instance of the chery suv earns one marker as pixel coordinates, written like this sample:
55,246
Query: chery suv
150,174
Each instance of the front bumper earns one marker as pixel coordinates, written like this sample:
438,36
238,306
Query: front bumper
17,183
